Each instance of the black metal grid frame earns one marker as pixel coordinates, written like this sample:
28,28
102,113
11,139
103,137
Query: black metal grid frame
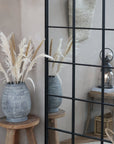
74,64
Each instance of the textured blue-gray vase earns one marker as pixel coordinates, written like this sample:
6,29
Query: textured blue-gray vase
16,102
54,88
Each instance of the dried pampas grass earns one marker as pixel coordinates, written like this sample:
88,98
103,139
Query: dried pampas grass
18,65
59,55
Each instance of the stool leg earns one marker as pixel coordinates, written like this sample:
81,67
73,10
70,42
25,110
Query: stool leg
53,137
10,137
30,136
88,118
17,134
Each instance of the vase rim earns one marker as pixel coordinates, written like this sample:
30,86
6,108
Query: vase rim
12,83
51,76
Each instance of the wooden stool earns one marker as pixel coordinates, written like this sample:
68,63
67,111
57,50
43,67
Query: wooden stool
12,136
95,95
52,122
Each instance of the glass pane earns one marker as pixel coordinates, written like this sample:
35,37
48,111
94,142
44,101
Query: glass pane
58,13
88,14
84,140
109,12
61,119
85,122
64,138
63,77
60,44
87,51
87,79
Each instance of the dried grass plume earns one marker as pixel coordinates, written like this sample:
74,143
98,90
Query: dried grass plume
60,55
18,65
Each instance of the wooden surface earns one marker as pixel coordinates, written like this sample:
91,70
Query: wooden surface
53,135
30,136
59,114
17,136
96,94
12,136
90,107
31,122
52,122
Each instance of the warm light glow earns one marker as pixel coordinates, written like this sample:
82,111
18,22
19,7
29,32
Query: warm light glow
106,77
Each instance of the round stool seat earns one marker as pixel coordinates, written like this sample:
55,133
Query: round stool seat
31,122
59,114
12,136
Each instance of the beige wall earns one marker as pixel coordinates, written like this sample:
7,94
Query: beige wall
26,19
10,21
10,17
32,26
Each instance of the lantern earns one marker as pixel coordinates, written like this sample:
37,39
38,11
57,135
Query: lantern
108,74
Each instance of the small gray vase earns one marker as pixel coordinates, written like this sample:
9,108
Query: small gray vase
54,88
16,102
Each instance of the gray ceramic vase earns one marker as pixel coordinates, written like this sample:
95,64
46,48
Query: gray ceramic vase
54,88
16,102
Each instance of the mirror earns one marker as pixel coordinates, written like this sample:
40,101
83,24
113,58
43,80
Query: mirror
88,46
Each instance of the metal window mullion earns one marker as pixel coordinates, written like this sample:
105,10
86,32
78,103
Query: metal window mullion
103,55
80,64
82,100
73,72
81,28
46,72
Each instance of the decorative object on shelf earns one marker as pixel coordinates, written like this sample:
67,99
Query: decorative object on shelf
54,88
107,123
108,74
54,80
84,15
16,101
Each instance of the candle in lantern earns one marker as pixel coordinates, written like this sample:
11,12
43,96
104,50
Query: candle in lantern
106,77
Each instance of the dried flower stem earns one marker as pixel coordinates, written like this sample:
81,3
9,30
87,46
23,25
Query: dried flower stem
35,53
59,55
69,46
50,51
27,50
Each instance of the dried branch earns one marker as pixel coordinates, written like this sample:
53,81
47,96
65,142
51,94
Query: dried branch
35,53
50,51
